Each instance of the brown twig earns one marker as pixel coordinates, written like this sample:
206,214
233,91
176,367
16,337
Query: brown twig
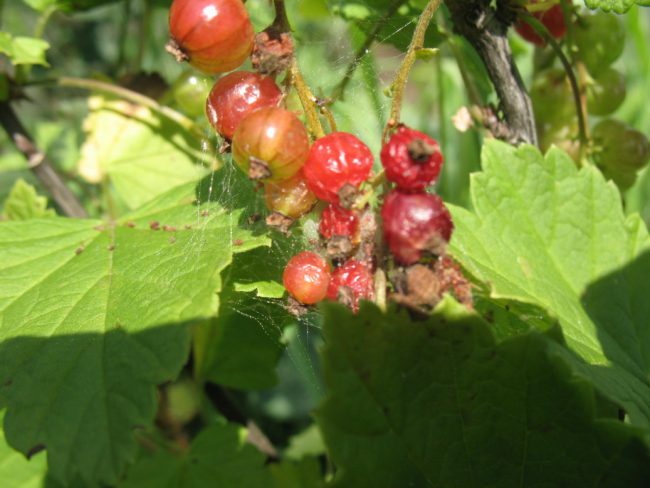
39,163
478,22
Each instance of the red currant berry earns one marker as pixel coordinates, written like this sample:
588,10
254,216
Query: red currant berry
415,223
307,277
411,159
338,221
336,160
289,197
236,95
350,283
553,20
270,144
213,35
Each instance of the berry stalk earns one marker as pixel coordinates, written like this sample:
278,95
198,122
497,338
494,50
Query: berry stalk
417,42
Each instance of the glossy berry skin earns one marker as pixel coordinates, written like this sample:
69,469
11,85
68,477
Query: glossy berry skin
553,20
274,136
306,277
236,95
190,91
600,40
335,160
606,92
412,160
552,99
214,35
357,278
339,221
415,223
289,197
619,147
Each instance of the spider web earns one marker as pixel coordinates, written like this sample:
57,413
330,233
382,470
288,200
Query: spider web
325,50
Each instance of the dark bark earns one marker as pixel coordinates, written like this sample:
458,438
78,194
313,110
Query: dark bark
485,28
39,164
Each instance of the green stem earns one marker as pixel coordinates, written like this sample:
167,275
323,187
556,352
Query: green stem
575,87
442,126
39,30
123,34
307,99
417,42
144,34
473,94
541,6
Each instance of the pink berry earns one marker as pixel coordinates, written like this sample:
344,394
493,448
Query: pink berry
350,283
411,159
306,277
415,223
236,95
338,221
334,161
270,144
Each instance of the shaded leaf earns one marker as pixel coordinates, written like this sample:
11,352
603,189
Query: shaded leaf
543,232
439,403
16,470
83,311
219,456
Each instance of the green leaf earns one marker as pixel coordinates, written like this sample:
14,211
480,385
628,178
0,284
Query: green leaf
309,442
545,233
91,320
67,5
618,6
305,473
16,470
219,456
241,347
142,153
439,403
263,289
23,50
23,203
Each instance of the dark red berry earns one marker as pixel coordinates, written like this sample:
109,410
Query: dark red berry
289,197
338,221
553,20
414,224
213,35
334,161
270,144
235,96
411,159
350,283
306,277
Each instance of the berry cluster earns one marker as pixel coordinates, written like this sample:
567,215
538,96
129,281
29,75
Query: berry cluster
597,42
416,224
273,147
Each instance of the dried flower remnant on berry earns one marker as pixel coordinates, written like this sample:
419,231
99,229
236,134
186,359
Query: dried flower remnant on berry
412,160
